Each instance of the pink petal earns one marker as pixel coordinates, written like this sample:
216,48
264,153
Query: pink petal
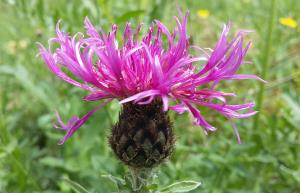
75,123
140,96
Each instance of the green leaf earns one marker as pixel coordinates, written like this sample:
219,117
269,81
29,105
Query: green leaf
183,186
128,15
54,162
75,186
25,79
294,173
118,181
292,104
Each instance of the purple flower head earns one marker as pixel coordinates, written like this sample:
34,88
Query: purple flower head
141,69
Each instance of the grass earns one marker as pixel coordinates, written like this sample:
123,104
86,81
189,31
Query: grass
266,161
265,61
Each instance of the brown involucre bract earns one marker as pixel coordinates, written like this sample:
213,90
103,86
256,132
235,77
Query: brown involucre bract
143,136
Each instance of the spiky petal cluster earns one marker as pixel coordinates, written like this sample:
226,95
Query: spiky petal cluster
144,68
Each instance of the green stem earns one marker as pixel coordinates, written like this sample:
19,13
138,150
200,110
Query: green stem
140,178
265,62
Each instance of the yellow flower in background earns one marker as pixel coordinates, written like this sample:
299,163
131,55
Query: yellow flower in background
23,44
203,13
288,21
11,47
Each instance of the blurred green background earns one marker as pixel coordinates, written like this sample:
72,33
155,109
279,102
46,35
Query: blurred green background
268,160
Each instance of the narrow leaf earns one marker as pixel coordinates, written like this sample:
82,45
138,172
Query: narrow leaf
76,187
114,179
183,186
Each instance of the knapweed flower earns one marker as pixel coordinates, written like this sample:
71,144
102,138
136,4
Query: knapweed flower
146,71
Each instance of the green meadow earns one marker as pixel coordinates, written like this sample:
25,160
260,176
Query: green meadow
267,160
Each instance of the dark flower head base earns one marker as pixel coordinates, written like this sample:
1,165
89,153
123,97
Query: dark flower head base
143,136
142,69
